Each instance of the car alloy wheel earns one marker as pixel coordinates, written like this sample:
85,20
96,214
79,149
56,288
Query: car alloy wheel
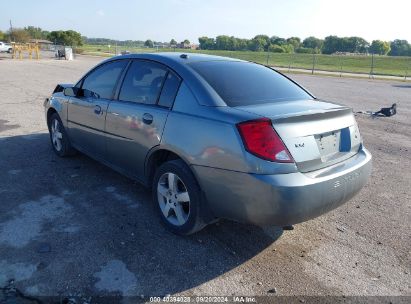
173,199
56,135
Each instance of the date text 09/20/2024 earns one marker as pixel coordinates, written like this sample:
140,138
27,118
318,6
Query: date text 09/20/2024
202,299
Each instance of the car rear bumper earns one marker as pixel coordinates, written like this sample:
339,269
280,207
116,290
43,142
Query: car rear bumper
283,199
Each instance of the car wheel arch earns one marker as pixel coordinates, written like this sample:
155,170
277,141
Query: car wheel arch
50,112
158,156
56,105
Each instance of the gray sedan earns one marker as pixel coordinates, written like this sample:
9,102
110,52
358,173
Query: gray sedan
213,137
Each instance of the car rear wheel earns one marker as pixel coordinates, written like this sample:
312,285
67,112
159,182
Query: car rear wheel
58,136
177,197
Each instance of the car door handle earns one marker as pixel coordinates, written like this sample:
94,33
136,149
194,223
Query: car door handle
97,110
147,118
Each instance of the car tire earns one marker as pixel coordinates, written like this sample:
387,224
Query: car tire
58,137
178,198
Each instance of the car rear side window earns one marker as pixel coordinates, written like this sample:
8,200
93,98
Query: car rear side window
169,91
100,83
244,83
143,82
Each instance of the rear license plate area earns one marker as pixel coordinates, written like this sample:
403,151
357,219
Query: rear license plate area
328,144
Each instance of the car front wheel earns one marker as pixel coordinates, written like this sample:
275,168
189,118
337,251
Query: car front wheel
58,136
177,197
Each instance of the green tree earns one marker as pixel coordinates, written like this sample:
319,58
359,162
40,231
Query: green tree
19,35
277,40
332,44
379,47
226,43
234,43
36,32
206,43
69,37
223,42
173,42
2,36
45,34
265,39
294,41
355,45
242,44
400,48
257,44
275,48
285,48
186,41
288,48
149,43
313,43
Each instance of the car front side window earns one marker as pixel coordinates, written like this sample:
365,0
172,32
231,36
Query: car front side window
101,82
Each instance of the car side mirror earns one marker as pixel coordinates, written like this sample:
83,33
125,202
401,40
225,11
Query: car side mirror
71,91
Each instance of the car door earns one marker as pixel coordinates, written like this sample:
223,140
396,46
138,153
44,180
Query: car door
136,119
87,112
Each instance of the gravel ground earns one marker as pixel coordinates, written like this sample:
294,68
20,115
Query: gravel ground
74,228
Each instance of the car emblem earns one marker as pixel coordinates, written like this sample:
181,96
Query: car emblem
299,145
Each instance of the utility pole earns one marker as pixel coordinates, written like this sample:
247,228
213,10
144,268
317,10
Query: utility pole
312,71
291,60
11,32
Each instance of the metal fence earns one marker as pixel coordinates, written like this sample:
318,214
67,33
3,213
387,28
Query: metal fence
339,64
371,65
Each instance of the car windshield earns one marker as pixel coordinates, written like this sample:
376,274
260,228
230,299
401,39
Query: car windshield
242,83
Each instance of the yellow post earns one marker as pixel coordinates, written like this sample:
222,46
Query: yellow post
37,51
21,48
13,45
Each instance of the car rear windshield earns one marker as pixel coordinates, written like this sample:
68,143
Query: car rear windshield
244,83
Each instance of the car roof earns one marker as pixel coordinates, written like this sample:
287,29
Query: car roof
202,91
177,57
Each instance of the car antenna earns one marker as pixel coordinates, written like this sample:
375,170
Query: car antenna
184,56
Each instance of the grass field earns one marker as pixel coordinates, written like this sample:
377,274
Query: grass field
383,65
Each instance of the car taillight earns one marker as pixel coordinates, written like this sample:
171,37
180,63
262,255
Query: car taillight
260,139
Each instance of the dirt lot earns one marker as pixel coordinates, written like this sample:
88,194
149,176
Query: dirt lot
74,228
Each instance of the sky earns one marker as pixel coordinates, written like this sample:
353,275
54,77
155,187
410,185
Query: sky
162,20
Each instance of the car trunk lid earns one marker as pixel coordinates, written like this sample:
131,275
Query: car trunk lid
317,134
